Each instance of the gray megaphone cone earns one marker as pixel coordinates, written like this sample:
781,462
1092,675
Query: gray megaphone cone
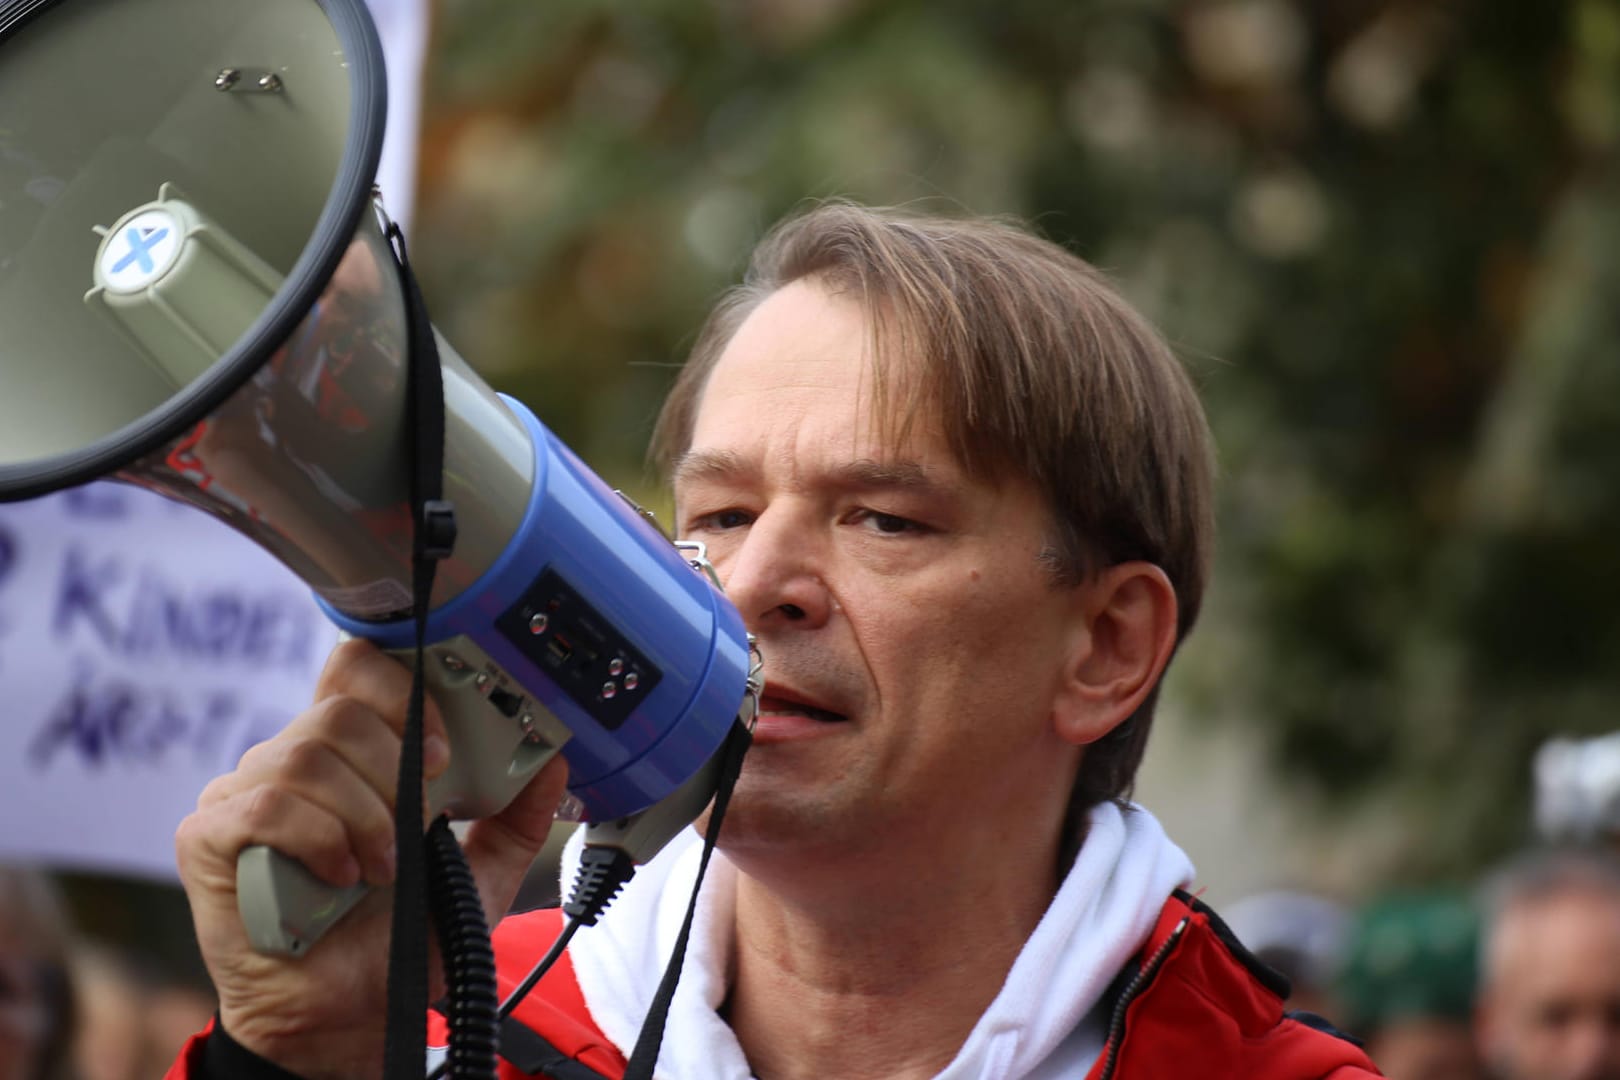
198,295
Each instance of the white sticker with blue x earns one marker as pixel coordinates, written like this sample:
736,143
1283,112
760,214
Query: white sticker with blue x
140,252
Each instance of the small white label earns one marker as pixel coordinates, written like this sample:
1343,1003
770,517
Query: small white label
140,251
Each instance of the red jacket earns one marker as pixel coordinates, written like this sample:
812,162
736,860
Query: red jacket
1196,1004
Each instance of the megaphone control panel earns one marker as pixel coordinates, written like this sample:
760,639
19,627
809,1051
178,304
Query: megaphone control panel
586,655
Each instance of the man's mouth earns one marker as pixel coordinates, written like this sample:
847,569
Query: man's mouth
774,705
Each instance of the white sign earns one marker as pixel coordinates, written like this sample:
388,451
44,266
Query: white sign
143,648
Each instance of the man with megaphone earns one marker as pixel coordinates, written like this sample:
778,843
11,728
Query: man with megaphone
945,510
960,493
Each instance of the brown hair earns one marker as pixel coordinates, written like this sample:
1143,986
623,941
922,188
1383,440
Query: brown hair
1036,365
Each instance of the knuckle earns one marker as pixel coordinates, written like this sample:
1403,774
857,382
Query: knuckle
265,807
344,664
346,657
350,650
432,717
358,708
216,790
346,720
187,847
306,758
253,757
376,835
340,711
188,834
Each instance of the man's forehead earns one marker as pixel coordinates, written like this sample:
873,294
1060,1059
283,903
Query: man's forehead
802,387
1527,932
805,335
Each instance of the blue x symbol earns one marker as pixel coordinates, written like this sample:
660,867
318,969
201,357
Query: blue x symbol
140,247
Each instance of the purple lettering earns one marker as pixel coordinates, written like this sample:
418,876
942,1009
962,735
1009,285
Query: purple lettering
106,723
82,594
98,502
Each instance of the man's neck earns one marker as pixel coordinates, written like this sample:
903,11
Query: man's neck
861,971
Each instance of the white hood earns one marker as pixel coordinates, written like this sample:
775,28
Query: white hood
1041,1025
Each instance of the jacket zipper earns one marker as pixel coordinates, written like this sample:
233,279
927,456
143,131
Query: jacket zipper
1116,1024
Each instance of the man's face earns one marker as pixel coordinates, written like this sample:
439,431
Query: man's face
913,641
1551,1009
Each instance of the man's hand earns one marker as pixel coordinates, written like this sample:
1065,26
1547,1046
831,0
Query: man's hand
322,792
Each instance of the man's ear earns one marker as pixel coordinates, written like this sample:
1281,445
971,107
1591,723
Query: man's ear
1126,631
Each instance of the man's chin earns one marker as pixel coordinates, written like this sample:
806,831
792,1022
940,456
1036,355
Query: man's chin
774,813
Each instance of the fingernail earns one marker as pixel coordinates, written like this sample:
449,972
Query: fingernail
435,753
382,867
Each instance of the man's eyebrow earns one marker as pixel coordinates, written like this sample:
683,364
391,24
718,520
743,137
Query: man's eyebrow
695,465
865,474
869,474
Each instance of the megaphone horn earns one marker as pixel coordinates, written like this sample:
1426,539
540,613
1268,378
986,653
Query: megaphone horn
199,298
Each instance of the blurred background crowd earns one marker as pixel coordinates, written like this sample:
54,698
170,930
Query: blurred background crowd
1382,233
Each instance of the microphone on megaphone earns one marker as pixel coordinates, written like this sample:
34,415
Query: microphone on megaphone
203,302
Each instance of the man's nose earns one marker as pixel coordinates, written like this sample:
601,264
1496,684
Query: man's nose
776,575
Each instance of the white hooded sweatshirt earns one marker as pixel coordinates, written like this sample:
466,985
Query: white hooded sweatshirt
1044,1024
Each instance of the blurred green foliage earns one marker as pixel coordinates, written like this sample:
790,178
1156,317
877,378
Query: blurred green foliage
1381,233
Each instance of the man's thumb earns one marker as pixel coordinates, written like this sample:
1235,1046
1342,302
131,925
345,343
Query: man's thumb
501,848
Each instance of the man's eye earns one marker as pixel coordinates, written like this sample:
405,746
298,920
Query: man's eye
720,519
889,524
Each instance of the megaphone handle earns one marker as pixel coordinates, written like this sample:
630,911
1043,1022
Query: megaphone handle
499,738
285,908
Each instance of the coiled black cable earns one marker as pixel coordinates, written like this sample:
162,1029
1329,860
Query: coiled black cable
602,873
469,959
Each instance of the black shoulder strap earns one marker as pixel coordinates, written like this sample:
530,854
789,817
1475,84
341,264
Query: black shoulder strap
530,1053
644,1058
433,535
